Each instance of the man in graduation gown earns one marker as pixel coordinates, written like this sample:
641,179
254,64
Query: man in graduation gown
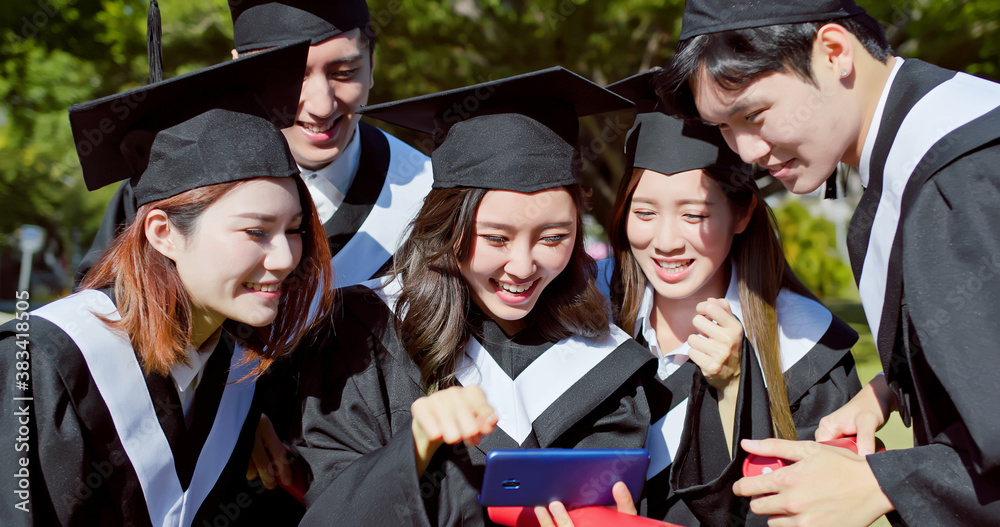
366,184
923,243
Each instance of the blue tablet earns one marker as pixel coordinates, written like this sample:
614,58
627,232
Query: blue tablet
576,477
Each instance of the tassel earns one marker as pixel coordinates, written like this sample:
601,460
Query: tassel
154,47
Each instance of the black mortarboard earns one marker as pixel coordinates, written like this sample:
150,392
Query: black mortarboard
518,133
713,16
259,24
216,125
666,144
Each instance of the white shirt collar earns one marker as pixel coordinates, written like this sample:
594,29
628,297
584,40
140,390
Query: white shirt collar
187,377
670,361
340,173
866,151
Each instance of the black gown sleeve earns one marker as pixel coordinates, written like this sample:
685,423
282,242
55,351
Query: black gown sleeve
829,393
120,212
703,473
951,276
356,435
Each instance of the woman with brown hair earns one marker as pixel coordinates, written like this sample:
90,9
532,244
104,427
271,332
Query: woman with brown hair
140,387
490,334
690,229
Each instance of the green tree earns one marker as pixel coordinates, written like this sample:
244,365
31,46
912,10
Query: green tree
811,248
54,53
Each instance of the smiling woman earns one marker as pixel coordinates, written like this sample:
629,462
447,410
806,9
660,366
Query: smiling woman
142,384
490,333
699,275
514,258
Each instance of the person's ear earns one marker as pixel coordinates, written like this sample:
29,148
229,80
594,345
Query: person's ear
834,51
161,234
744,219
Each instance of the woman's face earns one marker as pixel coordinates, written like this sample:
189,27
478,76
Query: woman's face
522,242
244,245
680,228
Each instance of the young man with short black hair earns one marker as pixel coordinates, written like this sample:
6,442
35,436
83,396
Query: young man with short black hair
797,87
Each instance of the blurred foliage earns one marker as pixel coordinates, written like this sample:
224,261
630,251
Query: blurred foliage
811,248
54,53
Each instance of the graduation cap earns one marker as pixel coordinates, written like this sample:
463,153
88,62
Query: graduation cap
712,16
518,133
259,24
216,125
666,144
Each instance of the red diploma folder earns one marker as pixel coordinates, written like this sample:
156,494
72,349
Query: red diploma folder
582,517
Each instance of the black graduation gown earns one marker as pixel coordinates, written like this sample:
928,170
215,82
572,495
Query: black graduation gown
357,437
81,469
935,161
691,477
365,231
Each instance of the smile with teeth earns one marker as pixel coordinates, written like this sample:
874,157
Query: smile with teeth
674,267
777,168
318,128
514,288
267,288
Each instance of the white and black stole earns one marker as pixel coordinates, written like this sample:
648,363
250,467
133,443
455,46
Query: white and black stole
802,325
519,402
405,177
120,382
927,118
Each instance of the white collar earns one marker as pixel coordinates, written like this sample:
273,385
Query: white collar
189,375
644,324
802,322
342,170
673,359
866,151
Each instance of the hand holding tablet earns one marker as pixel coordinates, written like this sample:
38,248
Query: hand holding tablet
575,477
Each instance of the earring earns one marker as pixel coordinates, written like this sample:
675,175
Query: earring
843,73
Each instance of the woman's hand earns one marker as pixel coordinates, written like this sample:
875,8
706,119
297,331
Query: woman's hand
273,462
862,416
556,514
717,349
459,413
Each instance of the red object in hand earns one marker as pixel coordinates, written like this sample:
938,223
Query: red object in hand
582,517
755,465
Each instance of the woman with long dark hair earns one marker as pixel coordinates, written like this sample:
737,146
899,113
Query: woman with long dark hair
489,334
140,387
690,229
